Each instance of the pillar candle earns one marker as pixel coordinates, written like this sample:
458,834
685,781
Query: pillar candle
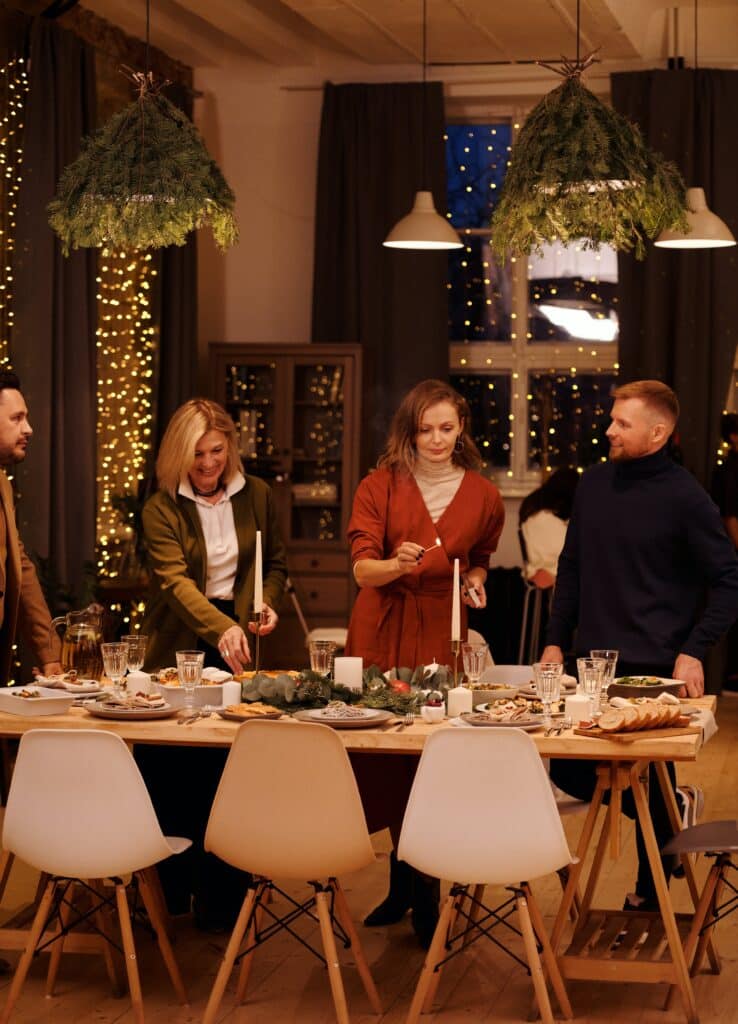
578,708
348,672
456,606
258,582
459,701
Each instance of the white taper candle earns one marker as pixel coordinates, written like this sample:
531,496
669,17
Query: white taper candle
456,605
258,581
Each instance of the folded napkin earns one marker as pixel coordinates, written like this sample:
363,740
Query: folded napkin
61,683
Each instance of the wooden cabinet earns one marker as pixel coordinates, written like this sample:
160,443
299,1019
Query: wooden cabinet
298,409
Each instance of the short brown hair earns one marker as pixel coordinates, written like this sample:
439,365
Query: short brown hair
177,451
653,393
399,451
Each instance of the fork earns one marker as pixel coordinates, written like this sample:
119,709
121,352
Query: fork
407,719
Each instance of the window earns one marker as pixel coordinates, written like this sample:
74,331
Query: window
533,343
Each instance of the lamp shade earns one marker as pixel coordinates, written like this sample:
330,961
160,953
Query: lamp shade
423,228
705,230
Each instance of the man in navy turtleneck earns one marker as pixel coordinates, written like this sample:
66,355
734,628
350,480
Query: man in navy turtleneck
647,569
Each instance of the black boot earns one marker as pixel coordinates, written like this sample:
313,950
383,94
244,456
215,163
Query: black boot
426,894
399,898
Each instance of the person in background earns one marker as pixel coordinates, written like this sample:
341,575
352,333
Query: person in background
425,505
23,609
647,569
724,491
543,517
200,534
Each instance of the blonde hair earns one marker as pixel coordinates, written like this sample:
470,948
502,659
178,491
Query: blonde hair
399,451
177,450
653,393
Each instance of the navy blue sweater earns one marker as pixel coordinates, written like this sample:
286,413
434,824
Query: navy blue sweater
644,552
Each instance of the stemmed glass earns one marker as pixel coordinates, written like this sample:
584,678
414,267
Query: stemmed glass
189,670
591,672
475,658
547,675
115,660
610,658
136,650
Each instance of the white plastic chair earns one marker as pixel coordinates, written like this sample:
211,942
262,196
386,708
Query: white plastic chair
485,831
515,675
473,636
288,806
78,810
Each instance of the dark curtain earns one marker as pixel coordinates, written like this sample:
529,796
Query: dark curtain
393,302
176,304
55,317
679,309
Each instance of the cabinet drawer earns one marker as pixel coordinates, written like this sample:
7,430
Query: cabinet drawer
321,595
302,562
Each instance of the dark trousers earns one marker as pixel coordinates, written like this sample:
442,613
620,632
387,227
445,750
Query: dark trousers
578,779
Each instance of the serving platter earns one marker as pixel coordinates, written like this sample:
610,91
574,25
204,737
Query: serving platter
232,716
48,701
373,716
122,714
528,723
619,688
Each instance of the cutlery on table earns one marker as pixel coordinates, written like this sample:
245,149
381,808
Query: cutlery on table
198,716
407,719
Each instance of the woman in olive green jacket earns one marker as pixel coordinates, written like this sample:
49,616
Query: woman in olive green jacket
200,530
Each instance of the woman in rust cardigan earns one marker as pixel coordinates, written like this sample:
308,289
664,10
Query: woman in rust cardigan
425,505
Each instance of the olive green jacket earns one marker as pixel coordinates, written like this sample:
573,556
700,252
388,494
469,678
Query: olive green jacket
177,611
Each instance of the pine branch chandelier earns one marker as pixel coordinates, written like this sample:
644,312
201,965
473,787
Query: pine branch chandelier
580,171
144,180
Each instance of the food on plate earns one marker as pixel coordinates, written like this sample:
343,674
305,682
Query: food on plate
169,677
255,710
507,712
638,680
491,686
137,701
532,706
27,694
338,709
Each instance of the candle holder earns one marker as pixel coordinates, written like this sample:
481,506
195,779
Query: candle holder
258,619
456,651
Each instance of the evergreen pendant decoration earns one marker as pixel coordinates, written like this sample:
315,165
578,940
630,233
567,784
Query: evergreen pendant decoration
582,171
143,181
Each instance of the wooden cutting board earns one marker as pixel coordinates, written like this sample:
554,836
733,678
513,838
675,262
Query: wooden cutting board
640,734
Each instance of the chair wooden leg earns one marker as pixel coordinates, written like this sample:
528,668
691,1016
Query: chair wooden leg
435,980
151,904
16,985
152,876
344,916
473,913
113,960
65,912
247,961
534,961
331,957
229,956
129,950
434,954
6,863
549,960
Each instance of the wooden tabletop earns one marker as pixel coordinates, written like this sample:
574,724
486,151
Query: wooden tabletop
215,732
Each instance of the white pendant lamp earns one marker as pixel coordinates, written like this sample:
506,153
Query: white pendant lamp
423,227
705,230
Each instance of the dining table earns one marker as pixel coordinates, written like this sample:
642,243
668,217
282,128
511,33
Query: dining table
590,943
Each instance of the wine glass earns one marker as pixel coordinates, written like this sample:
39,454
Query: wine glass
475,658
591,672
547,675
610,658
136,650
189,670
115,660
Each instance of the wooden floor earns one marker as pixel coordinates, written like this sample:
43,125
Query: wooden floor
482,986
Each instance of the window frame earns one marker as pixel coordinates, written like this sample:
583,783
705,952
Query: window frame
517,355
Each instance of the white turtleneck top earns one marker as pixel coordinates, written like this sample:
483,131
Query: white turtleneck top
438,483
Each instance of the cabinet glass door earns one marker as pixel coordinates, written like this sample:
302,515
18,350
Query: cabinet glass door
250,396
317,443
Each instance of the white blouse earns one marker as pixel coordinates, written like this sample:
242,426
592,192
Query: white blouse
221,542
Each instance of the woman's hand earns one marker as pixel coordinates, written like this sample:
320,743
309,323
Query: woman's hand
234,648
267,626
474,580
408,557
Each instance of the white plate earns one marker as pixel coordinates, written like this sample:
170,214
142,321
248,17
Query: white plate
528,724
49,702
373,716
568,686
129,714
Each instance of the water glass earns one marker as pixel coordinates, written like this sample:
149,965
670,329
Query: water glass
610,658
189,670
115,661
136,650
547,675
475,658
321,656
591,673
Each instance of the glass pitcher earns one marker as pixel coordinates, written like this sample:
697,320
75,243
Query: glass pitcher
81,634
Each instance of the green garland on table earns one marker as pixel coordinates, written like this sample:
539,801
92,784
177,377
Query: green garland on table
580,170
311,690
144,180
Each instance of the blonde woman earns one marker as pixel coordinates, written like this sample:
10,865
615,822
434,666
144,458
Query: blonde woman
200,532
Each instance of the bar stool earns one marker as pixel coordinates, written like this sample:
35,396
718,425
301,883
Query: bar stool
526,656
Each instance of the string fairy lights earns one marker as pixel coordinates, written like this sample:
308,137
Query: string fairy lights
13,91
126,344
